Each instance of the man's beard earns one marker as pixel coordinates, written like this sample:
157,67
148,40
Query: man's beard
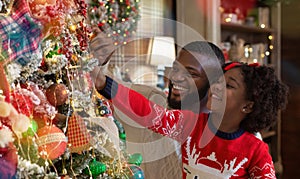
190,101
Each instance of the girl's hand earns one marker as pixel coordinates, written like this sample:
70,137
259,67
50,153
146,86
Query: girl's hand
101,46
98,78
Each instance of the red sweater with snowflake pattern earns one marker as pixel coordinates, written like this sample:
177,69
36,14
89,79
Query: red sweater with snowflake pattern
206,152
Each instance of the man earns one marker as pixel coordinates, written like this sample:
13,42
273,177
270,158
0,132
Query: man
189,78
188,84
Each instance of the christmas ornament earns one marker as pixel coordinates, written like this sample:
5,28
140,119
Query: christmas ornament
78,136
6,136
57,94
137,172
103,110
135,159
95,168
20,34
51,141
122,136
44,110
32,129
22,103
19,124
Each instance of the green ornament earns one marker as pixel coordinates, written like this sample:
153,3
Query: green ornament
31,129
122,136
95,167
53,52
135,159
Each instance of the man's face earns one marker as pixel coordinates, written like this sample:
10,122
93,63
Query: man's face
188,81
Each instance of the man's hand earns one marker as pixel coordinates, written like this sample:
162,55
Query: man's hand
101,46
98,78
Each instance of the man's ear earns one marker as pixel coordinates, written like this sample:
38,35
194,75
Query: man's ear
248,107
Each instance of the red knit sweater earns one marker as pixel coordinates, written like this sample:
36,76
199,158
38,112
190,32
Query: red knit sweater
206,152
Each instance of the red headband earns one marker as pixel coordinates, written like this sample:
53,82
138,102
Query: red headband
235,64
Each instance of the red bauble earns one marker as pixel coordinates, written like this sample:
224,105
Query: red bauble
51,141
22,103
57,94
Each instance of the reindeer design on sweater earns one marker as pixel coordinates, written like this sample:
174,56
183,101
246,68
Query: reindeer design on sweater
194,169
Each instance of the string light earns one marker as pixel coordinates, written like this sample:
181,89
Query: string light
270,37
262,26
73,28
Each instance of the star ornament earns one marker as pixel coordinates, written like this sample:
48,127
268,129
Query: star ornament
20,35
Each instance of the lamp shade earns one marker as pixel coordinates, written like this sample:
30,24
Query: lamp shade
163,51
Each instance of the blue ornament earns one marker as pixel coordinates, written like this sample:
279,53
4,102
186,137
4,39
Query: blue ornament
137,172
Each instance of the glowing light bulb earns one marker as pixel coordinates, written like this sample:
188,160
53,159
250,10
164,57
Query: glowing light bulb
270,37
228,19
73,27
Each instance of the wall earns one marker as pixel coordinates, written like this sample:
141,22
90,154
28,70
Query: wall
290,73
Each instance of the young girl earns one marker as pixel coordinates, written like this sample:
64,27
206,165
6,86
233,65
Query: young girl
220,144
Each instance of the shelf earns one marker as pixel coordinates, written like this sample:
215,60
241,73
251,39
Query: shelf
267,134
245,28
254,35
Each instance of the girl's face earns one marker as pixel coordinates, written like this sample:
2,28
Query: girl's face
231,92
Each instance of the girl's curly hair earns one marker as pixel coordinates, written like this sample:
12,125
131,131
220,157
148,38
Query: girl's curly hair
267,92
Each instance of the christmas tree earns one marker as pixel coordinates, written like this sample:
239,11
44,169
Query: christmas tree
52,122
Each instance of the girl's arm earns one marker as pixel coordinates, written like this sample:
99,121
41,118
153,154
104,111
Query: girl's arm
176,124
261,165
